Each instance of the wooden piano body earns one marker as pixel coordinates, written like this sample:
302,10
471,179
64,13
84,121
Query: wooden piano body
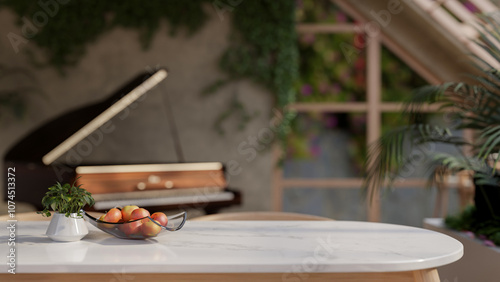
41,159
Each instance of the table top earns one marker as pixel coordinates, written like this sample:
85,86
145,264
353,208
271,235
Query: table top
238,247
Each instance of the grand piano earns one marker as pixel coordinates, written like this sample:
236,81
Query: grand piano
47,155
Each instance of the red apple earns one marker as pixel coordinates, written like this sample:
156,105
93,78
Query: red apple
113,215
127,212
160,217
130,228
150,228
104,225
139,213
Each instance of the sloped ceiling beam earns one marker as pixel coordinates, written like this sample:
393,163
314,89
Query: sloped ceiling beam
413,36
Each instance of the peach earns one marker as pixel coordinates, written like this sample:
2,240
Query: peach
127,212
150,228
113,215
160,217
139,213
104,225
131,228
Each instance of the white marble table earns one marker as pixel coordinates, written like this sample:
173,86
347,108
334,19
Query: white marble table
277,250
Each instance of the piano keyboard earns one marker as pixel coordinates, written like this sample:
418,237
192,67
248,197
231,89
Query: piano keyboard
108,201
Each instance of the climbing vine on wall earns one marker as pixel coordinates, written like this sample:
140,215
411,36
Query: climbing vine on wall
263,48
262,40
63,29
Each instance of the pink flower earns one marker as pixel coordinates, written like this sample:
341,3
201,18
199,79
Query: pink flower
471,7
335,88
341,17
308,38
315,150
345,75
469,234
306,90
489,243
331,121
359,41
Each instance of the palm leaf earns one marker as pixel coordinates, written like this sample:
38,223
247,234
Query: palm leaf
475,104
387,156
491,135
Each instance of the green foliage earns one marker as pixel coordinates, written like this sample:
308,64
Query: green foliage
66,199
473,105
332,68
66,34
468,221
262,48
262,42
464,221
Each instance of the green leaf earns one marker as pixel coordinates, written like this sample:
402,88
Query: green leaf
66,198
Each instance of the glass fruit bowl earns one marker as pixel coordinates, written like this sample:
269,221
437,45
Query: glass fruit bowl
142,228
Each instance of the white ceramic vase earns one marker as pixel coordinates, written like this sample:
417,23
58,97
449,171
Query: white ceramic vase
67,229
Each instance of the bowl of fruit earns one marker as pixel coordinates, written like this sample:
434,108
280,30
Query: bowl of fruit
133,222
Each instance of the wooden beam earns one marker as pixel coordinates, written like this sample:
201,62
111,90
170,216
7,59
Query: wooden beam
328,28
330,107
347,107
374,116
277,179
348,183
408,58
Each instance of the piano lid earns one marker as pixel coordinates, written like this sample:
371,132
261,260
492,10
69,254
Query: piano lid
50,141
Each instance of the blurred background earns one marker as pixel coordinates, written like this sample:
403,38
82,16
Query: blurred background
287,94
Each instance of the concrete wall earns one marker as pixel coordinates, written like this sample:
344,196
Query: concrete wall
143,135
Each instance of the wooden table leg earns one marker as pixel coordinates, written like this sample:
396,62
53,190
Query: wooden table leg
426,275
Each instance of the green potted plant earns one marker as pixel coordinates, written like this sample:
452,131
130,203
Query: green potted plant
66,200
467,105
